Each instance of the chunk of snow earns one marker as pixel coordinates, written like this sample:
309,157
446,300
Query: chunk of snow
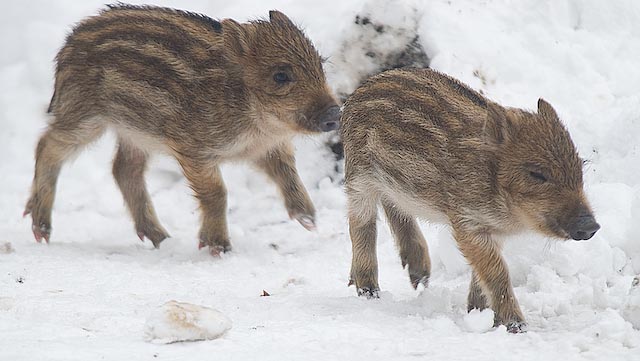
178,321
479,321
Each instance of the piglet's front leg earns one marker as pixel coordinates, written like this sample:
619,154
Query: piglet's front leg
280,165
491,275
206,181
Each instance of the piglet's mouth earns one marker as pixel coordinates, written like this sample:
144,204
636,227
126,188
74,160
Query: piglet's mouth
583,227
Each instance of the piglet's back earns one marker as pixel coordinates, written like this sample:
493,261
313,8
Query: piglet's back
174,41
145,65
419,129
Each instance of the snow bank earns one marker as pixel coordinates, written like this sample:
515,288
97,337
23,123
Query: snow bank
382,35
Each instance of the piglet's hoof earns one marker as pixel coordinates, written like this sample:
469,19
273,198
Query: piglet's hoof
41,232
516,327
418,279
369,293
307,221
215,250
155,236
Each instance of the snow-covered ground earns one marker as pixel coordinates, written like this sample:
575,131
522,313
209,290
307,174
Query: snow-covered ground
90,292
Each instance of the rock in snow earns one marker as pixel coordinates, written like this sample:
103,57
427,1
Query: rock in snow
6,248
178,321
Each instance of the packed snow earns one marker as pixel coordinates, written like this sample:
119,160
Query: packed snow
89,293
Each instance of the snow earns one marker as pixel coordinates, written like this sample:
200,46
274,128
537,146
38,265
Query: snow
88,294
179,321
631,311
479,321
382,28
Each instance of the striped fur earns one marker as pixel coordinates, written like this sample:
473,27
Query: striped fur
202,90
424,145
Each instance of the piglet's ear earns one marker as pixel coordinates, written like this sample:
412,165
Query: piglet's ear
546,110
277,17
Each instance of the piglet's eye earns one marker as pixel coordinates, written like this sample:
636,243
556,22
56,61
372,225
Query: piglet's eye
281,77
538,176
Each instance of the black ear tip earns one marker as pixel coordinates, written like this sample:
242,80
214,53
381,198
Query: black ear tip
546,109
277,16
274,14
543,103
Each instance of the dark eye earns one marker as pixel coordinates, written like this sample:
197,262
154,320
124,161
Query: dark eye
538,176
281,77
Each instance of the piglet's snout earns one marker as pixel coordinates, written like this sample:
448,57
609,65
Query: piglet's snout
330,119
584,227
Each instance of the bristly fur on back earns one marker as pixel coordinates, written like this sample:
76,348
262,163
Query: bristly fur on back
215,24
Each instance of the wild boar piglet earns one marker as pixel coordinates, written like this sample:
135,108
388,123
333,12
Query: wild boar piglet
201,90
421,144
